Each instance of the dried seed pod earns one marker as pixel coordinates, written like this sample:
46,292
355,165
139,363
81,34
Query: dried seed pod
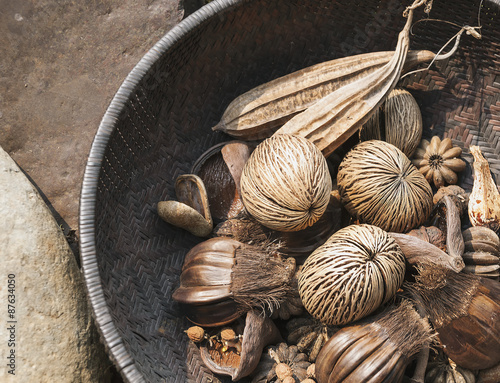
292,304
484,200
358,268
459,196
289,362
442,369
398,121
309,335
463,309
191,212
286,184
393,194
482,252
220,169
431,234
222,278
377,349
336,117
438,161
196,334
239,359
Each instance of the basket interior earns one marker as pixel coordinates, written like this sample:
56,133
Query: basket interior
165,125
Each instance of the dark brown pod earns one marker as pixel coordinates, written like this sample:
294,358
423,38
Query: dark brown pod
222,278
431,234
220,169
376,350
259,332
464,309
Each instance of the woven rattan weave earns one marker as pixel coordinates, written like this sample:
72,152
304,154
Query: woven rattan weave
160,120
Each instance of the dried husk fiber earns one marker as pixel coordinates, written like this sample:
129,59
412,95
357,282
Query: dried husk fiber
380,186
358,268
286,184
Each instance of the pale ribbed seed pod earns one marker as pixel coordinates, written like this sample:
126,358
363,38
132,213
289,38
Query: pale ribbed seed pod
358,268
286,184
402,122
380,186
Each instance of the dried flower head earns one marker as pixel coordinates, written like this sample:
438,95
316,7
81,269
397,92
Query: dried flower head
438,161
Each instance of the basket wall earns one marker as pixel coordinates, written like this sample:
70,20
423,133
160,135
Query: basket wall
160,122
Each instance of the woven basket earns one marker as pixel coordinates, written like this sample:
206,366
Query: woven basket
160,120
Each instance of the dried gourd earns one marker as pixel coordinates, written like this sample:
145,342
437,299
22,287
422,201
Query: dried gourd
358,268
333,119
286,184
482,252
379,185
484,199
398,121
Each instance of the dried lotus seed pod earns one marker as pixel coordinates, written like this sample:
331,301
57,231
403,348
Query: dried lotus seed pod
398,121
359,268
286,184
379,186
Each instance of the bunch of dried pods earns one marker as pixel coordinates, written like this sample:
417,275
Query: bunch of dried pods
311,276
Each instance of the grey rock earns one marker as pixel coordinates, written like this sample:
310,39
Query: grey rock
47,333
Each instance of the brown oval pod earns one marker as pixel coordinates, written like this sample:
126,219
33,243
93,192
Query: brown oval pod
377,349
464,310
222,279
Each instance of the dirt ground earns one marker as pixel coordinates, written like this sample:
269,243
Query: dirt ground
61,63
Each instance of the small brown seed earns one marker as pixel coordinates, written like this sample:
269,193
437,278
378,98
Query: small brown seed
195,333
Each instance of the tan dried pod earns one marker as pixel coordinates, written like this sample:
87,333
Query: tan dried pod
359,268
482,252
286,184
379,185
398,121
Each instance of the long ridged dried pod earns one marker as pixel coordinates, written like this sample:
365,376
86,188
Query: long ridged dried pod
376,350
484,199
379,185
222,278
333,119
258,113
464,310
359,268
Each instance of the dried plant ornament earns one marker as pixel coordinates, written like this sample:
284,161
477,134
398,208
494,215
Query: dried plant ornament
286,184
484,199
235,355
464,309
358,269
379,348
379,185
482,252
443,370
398,121
221,279
191,211
309,335
438,161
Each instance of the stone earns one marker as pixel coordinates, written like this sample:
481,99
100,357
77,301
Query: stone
46,328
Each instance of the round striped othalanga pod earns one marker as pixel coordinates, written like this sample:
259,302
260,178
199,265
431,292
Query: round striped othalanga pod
379,185
356,270
286,184
397,121
377,349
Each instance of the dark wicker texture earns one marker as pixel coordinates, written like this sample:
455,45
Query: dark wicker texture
160,122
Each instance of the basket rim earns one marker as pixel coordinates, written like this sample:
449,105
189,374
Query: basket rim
113,343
